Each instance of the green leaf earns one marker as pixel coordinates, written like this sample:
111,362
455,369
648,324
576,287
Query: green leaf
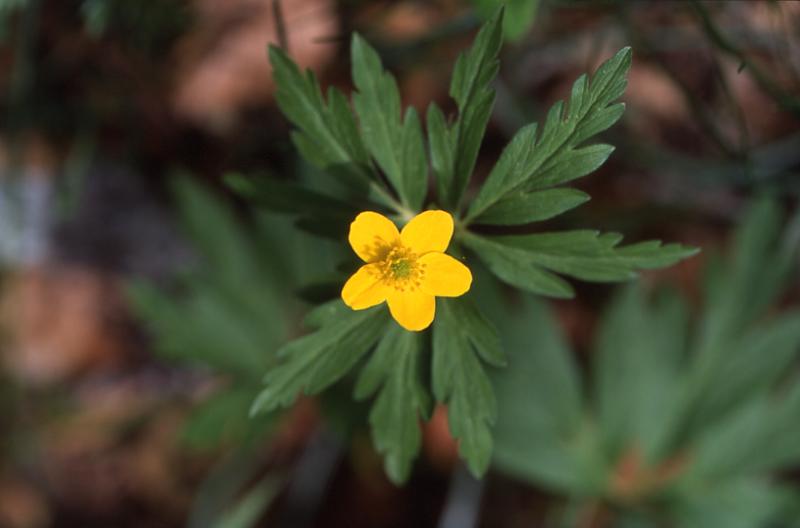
247,512
397,146
755,361
637,371
459,380
579,163
319,213
593,256
401,402
538,432
526,261
521,207
223,417
724,449
534,161
441,141
287,197
520,15
213,229
739,503
782,448
471,88
511,265
759,268
227,480
327,134
315,361
233,309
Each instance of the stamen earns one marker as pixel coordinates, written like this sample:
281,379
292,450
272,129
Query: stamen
399,268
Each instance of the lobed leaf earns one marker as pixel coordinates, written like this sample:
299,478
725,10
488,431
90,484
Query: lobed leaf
539,399
594,256
396,145
455,148
528,261
550,157
522,207
402,400
327,134
460,381
511,266
316,361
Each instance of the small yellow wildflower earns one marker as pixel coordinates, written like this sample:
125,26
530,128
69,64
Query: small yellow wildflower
406,269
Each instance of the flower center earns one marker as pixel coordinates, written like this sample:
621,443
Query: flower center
401,270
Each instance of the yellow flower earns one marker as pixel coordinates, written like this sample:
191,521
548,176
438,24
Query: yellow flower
406,269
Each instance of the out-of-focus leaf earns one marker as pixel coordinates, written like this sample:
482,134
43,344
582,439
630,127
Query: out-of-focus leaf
216,499
743,503
723,448
250,508
223,417
231,311
202,329
401,402
637,368
755,361
762,263
520,15
539,434
319,214
286,197
782,446
755,275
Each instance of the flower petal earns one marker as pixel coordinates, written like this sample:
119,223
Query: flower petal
412,309
371,234
444,276
364,288
428,231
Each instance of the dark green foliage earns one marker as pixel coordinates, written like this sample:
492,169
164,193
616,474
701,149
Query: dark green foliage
461,339
376,144
396,145
403,399
315,361
327,134
536,161
454,148
528,261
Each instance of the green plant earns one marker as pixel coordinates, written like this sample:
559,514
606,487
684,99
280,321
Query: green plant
679,421
378,157
227,315
228,312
